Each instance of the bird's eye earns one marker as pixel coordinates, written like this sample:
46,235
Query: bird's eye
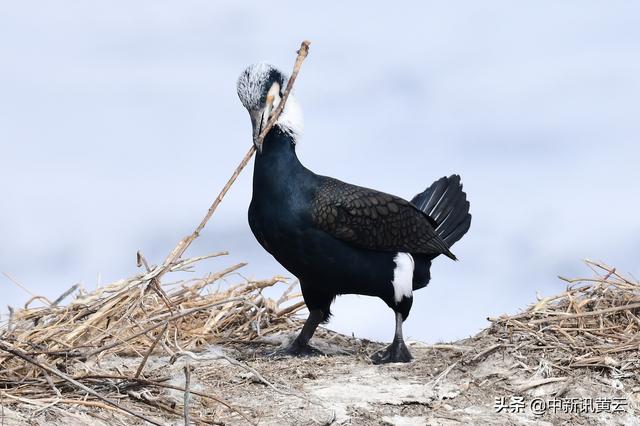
273,93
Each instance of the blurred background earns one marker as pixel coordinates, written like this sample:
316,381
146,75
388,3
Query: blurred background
119,124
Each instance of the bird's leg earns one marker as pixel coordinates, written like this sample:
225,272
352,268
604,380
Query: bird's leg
397,351
300,346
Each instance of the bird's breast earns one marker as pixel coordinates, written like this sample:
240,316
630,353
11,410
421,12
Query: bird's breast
277,223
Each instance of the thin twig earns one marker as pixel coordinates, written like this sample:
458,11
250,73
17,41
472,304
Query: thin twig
50,382
432,384
187,393
65,294
182,246
9,328
291,308
441,346
142,261
14,281
302,55
157,287
145,398
536,383
562,317
77,384
485,352
153,345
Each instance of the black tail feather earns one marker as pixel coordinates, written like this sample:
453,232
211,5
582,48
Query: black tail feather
446,203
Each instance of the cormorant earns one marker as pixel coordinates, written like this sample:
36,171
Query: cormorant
338,238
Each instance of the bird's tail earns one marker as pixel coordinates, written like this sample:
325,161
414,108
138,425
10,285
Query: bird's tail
446,203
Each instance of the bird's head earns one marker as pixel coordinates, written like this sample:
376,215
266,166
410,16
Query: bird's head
260,89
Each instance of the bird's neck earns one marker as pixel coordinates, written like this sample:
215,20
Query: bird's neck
277,165
279,146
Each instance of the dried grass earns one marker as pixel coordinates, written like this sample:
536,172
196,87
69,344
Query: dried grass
594,323
50,351
61,356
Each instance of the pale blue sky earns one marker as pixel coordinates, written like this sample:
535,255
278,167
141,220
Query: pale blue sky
119,123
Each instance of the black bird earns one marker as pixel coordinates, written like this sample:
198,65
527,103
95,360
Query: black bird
338,238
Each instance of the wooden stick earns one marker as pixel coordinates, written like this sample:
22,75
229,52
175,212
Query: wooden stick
541,382
302,55
77,384
182,246
152,402
290,309
485,352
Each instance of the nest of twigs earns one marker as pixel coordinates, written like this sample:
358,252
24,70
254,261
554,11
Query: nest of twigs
595,323
51,356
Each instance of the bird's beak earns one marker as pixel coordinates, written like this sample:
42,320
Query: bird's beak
259,119
256,124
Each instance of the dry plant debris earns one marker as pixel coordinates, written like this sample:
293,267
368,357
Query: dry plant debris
127,347
594,323
52,355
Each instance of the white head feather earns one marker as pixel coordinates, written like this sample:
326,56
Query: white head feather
253,85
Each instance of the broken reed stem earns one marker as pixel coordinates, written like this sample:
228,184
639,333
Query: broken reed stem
291,308
74,382
182,246
187,393
302,55
65,294
561,316
151,348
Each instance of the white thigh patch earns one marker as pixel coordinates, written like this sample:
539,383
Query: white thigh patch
403,276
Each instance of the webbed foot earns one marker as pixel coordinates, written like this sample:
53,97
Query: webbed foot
397,351
297,349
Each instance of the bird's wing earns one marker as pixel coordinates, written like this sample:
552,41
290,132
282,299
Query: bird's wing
374,220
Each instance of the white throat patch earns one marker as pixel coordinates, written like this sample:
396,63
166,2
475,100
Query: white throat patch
291,120
403,276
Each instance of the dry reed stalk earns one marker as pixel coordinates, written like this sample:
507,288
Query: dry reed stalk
182,246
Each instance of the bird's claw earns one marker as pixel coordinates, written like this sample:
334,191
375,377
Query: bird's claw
395,352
